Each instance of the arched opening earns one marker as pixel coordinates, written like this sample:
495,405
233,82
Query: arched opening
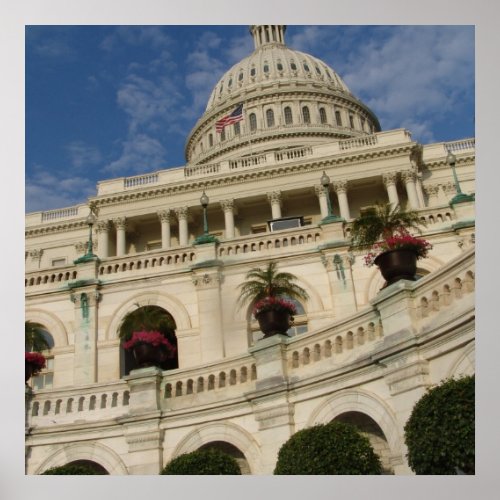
232,451
45,378
163,321
369,428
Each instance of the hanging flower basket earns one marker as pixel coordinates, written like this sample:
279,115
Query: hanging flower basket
150,348
275,315
34,362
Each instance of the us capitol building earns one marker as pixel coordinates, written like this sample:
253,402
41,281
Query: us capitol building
358,352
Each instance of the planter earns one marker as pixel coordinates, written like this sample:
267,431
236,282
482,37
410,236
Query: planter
399,264
146,355
274,322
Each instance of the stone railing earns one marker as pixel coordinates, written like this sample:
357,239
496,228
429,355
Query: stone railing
140,180
285,240
251,161
68,405
62,213
213,168
466,144
233,376
358,142
50,276
181,257
292,154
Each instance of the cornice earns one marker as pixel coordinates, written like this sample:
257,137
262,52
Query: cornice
55,228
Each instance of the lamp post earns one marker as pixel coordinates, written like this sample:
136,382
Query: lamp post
459,197
205,237
325,182
90,220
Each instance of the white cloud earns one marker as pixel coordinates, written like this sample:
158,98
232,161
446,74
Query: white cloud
153,36
83,155
46,191
140,153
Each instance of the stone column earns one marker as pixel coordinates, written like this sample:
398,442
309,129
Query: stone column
409,179
420,191
182,215
433,194
228,208
120,225
207,283
275,200
340,188
85,355
164,216
103,238
323,205
389,180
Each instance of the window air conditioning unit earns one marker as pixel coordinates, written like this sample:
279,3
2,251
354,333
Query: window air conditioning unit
285,223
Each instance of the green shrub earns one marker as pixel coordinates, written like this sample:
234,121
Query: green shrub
208,461
440,431
72,470
333,448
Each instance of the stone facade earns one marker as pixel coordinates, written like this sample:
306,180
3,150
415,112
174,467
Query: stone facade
367,353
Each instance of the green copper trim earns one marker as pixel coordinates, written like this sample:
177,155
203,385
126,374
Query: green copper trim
205,238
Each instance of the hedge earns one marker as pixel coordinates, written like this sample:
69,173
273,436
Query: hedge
209,461
440,431
333,448
72,470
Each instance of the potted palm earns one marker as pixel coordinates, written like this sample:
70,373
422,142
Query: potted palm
270,292
385,230
149,333
34,343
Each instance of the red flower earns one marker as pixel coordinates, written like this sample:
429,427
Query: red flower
154,338
36,359
274,304
402,240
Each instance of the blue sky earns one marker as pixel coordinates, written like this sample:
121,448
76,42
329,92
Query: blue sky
112,101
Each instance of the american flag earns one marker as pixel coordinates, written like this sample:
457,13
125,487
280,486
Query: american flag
235,117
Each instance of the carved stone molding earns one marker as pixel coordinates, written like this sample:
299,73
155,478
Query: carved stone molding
36,253
408,377
164,215
431,189
92,298
82,246
206,280
408,176
449,188
389,178
320,190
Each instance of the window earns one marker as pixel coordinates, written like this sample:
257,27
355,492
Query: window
293,66
210,140
59,262
45,378
362,124
306,68
266,68
223,134
306,115
338,118
236,128
288,115
253,122
279,66
221,87
252,72
240,76
318,70
322,115
351,121
230,83
270,118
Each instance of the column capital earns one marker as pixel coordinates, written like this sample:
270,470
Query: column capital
449,188
389,178
227,205
274,197
120,223
340,186
36,253
206,280
408,176
164,215
431,189
181,212
102,226
320,190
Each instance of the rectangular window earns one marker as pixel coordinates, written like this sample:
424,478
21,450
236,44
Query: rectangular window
45,378
338,118
61,261
261,228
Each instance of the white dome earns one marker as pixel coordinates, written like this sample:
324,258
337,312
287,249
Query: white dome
308,100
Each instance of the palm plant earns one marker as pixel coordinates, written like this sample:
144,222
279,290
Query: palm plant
34,339
268,282
383,221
